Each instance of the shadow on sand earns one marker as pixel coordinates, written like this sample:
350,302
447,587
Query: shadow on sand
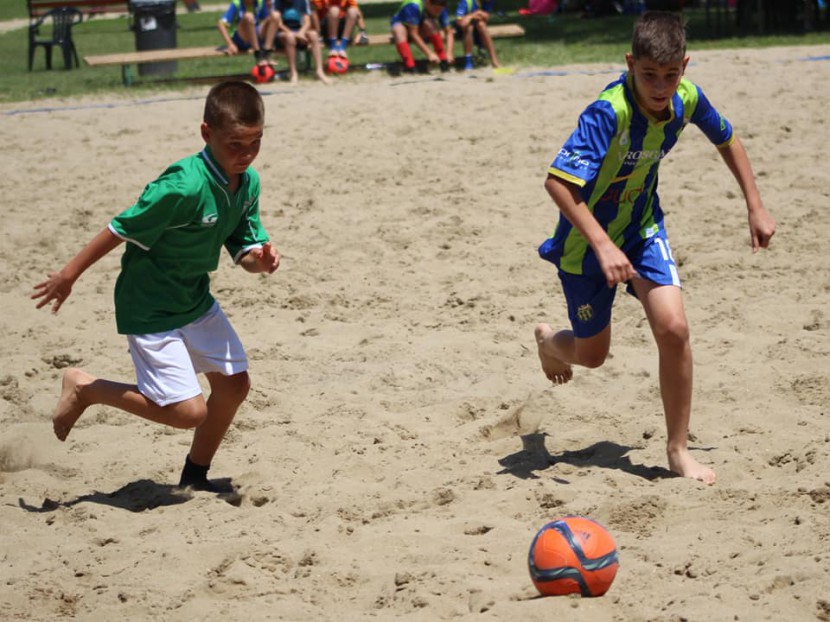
535,457
139,496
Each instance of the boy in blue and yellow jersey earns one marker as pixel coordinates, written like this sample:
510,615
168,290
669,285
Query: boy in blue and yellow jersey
248,25
471,18
417,20
610,230
174,327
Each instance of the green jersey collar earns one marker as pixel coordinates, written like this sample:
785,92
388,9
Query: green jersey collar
215,169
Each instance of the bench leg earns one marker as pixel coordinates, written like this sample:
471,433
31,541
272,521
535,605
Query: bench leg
303,61
127,74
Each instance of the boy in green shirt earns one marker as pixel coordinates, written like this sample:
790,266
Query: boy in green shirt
175,329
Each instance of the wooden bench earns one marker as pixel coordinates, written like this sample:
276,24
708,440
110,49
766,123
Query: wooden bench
38,8
497,31
128,59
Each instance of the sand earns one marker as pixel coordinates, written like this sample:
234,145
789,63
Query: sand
400,446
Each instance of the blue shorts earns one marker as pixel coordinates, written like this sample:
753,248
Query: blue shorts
459,33
590,299
243,45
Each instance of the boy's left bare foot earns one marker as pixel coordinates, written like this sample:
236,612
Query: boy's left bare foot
70,407
556,370
682,463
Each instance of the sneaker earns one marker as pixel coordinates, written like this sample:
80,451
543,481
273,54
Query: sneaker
444,65
468,63
362,38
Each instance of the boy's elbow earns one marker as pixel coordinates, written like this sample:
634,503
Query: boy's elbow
551,181
561,189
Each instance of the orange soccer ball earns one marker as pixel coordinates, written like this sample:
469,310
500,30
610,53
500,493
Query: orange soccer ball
573,555
337,64
263,73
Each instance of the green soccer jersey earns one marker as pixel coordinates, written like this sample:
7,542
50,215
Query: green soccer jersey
174,235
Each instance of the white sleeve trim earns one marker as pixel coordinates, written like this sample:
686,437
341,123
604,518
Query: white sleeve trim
243,251
126,239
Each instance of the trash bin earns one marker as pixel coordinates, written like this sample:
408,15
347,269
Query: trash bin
154,23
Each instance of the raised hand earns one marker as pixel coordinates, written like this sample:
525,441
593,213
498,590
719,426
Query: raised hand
55,288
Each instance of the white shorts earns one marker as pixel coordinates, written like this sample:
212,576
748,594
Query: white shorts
166,363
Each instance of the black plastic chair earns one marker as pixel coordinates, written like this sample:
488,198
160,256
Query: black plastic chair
63,19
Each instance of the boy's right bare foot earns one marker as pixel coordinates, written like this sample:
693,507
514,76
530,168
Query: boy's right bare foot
682,463
70,407
556,370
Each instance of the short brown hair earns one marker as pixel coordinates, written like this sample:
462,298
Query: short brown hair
660,37
233,103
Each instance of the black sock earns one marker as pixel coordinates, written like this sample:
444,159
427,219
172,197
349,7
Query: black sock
195,476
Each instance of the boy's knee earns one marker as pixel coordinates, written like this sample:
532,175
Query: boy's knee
239,386
188,414
592,352
674,333
592,360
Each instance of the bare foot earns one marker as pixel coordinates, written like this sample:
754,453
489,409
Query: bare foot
556,370
682,463
323,78
70,407
293,78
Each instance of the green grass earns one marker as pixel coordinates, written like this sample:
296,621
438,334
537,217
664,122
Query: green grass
13,9
549,42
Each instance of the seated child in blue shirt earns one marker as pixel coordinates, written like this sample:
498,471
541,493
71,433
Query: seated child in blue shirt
471,26
417,20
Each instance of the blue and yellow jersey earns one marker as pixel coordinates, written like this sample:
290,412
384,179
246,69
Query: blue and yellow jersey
235,10
413,13
465,7
613,156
